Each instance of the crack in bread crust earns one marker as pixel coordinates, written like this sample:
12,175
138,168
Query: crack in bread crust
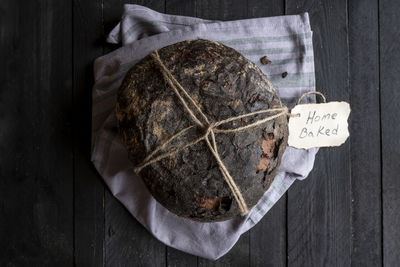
224,84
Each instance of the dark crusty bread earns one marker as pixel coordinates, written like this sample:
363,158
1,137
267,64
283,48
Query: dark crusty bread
225,84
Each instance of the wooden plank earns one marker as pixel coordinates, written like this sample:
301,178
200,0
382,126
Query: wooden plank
127,242
226,10
88,185
36,158
221,10
238,256
366,247
177,258
268,237
184,8
389,21
181,7
319,224
265,8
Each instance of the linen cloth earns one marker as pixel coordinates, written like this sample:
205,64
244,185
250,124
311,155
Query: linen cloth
286,40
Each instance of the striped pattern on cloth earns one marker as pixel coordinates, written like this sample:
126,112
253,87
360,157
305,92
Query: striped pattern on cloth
286,40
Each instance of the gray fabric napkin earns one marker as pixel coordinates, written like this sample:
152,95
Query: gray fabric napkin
286,40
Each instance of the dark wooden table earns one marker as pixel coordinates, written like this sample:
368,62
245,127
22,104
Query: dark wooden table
56,211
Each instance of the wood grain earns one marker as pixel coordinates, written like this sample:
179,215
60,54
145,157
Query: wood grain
126,241
389,21
88,186
221,10
319,225
181,7
36,156
365,134
51,205
238,256
268,237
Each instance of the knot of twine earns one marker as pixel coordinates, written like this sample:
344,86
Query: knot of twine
210,129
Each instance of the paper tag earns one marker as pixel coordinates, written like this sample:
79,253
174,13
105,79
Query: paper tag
319,125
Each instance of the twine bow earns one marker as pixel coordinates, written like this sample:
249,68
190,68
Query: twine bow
210,129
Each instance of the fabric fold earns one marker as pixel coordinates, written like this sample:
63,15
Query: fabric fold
286,40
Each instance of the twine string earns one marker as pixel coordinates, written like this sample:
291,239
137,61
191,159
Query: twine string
311,93
210,129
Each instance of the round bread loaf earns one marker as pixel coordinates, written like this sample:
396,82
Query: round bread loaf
224,84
